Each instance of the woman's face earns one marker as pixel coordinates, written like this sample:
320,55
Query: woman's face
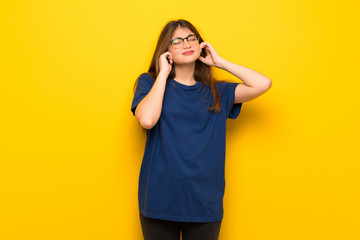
178,55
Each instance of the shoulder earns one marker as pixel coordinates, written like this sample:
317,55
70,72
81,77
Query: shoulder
225,85
146,76
145,79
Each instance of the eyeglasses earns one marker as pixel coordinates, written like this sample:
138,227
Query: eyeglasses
179,42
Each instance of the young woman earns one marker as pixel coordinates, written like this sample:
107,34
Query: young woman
184,109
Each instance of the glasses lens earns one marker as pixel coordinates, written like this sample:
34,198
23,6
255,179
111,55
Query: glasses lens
177,42
192,39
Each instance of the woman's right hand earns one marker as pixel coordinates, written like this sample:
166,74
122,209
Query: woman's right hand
164,60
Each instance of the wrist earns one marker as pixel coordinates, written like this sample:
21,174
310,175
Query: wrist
221,64
164,74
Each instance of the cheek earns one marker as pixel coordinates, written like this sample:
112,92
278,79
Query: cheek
175,57
197,52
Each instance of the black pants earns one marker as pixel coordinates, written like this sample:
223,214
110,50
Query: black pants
158,229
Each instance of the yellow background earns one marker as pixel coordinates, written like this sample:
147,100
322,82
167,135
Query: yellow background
71,149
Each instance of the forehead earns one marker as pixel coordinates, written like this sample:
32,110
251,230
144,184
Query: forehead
181,32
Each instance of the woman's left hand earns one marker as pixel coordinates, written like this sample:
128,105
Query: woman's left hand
212,58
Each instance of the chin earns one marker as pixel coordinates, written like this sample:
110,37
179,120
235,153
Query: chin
187,62
187,59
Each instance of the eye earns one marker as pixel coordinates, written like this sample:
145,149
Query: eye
192,38
176,41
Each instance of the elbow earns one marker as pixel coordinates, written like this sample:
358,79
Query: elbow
267,84
146,123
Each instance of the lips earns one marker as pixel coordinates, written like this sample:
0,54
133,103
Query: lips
188,52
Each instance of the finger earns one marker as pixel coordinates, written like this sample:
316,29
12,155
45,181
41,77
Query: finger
209,46
167,56
206,47
201,59
208,50
170,58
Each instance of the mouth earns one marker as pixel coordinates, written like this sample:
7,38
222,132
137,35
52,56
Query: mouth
188,52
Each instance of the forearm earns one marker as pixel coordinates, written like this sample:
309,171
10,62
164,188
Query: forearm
248,76
149,109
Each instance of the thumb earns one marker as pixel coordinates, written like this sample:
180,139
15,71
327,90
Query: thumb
201,58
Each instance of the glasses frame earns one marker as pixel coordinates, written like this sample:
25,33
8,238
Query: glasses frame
187,39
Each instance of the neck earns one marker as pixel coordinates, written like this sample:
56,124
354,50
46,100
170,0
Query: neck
184,73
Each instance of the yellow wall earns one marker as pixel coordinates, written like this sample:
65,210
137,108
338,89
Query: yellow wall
71,149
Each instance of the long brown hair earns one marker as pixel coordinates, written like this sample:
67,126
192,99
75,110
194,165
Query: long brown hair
202,72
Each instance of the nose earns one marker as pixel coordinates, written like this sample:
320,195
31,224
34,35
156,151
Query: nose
187,43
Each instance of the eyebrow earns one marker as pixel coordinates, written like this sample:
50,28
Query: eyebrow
185,37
